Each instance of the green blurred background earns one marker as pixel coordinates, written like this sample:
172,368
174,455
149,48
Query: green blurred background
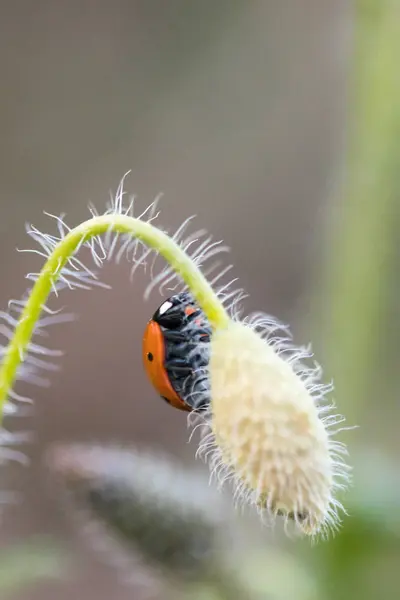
278,124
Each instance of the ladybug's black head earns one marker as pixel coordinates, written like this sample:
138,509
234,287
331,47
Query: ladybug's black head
173,313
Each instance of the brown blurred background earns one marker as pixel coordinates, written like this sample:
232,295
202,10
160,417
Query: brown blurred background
236,111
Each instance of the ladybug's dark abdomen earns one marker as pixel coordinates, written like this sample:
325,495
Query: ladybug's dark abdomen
187,372
186,364
186,335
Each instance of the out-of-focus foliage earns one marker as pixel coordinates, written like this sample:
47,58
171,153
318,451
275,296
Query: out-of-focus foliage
361,560
23,565
359,269
357,335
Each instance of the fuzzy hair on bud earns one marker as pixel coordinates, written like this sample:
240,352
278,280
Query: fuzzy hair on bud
267,434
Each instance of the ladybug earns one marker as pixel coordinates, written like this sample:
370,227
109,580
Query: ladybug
176,353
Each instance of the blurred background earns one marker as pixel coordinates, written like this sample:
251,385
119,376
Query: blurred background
278,125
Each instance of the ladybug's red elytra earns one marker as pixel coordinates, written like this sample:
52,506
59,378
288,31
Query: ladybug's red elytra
175,352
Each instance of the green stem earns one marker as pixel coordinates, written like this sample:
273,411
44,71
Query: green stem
65,249
360,254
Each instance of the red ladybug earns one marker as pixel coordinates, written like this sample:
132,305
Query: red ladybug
176,352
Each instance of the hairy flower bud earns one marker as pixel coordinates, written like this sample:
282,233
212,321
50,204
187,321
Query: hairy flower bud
267,433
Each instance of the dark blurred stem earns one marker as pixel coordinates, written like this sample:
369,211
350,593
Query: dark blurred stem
358,269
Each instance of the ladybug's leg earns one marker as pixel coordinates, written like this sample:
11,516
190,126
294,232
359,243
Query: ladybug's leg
174,336
199,396
180,365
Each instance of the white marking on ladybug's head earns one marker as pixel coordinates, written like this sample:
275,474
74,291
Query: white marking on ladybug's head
164,307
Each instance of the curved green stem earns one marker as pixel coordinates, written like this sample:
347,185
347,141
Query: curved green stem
65,249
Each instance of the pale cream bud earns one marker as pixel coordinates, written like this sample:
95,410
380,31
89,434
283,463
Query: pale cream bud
268,435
